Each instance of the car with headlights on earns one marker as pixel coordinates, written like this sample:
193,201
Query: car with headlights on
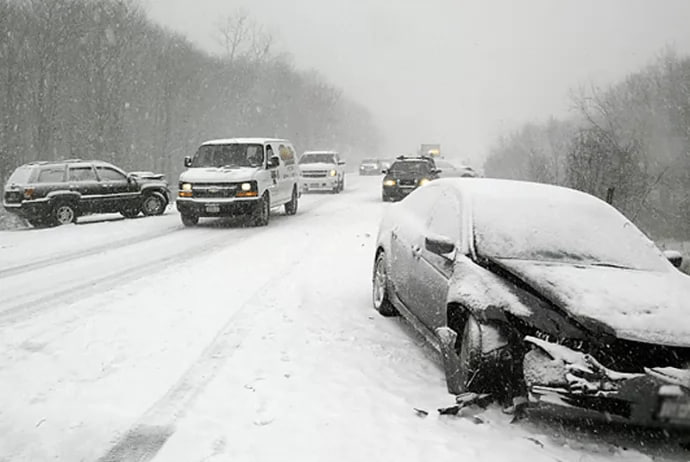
370,167
322,171
239,177
540,292
405,175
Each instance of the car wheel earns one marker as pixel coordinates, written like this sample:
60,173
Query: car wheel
130,212
342,185
64,213
291,207
262,211
382,303
189,220
153,204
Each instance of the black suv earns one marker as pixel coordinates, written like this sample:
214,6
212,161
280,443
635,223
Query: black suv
405,175
56,193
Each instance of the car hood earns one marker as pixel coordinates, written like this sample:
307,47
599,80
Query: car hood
317,166
643,306
219,175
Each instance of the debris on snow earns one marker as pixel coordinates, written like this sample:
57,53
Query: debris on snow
421,412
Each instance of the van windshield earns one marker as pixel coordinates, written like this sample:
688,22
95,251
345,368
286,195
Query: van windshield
229,155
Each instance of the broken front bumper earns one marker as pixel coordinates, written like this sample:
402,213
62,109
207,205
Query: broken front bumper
555,374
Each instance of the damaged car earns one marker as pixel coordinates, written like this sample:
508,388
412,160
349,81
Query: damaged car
539,291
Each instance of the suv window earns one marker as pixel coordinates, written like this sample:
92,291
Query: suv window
21,175
110,174
51,175
80,173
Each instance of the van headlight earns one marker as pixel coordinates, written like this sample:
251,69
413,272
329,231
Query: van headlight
333,173
186,186
246,186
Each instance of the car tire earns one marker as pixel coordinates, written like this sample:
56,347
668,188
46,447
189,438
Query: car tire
262,211
380,298
130,212
291,207
63,213
153,204
342,184
189,220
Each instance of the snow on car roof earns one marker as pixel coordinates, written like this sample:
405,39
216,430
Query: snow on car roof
244,141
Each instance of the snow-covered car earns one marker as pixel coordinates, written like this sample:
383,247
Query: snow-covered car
239,176
322,171
539,291
370,167
58,192
448,170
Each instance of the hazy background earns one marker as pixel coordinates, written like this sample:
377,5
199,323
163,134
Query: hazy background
452,71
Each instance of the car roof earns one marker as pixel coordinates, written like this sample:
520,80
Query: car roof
62,162
508,189
319,152
244,141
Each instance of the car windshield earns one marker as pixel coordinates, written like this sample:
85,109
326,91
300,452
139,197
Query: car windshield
370,161
229,155
411,167
560,228
20,176
317,159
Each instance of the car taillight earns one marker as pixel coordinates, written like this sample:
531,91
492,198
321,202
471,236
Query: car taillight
28,193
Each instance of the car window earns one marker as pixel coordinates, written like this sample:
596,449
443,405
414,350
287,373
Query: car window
20,176
110,174
445,217
82,173
51,175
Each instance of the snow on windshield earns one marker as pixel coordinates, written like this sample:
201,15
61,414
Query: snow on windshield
229,155
542,223
317,159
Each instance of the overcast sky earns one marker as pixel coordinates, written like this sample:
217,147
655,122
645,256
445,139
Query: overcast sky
457,72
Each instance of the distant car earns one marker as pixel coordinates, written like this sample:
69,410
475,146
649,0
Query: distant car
540,291
405,175
322,171
370,167
58,192
448,170
239,177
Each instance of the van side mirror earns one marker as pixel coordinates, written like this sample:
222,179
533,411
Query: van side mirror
440,245
273,162
675,257
187,161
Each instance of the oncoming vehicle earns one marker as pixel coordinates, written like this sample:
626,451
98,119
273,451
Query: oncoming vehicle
583,311
370,167
322,171
241,176
58,192
405,175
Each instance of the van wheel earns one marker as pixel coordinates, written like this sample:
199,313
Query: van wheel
291,207
64,213
262,211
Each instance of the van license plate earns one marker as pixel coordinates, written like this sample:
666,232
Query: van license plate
212,208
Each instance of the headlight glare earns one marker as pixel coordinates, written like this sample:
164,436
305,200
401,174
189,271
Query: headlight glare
423,181
333,173
389,183
246,186
186,187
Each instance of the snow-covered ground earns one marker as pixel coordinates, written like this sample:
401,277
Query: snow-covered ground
143,340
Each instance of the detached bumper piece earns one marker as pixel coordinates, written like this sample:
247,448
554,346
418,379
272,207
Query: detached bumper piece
557,375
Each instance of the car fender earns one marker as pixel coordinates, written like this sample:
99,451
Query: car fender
153,187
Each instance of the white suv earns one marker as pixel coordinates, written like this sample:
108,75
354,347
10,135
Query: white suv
322,171
241,176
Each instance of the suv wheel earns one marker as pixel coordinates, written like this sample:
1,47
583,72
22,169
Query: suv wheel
189,220
153,204
262,211
291,207
64,214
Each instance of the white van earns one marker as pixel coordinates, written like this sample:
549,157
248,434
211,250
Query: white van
239,176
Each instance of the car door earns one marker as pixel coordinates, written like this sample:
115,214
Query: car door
405,238
116,189
431,272
82,179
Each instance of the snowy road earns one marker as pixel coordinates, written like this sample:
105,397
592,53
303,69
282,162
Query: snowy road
143,340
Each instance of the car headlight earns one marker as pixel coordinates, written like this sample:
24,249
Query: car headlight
186,187
246,186
333,173
423,181
389,183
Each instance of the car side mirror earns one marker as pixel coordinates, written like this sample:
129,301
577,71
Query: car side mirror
384,171
188,161
675,257
440,245
273,162
341,162
131,179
